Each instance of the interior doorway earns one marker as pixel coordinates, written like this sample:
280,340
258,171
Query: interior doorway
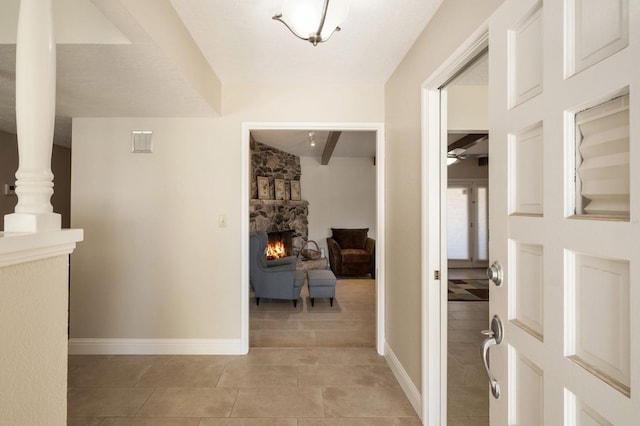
437,153
313,132
465,98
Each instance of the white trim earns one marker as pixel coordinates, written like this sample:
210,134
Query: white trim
381,243
82,346
434,308
380,219
410,390
244,237
21,248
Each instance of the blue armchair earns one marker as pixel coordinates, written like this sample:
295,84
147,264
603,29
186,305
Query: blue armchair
272,279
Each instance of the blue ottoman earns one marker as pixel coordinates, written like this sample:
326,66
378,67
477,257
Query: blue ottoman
322,283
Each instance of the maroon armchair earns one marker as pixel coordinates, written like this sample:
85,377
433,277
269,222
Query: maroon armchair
352,252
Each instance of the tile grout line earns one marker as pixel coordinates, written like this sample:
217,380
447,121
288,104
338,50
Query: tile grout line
224,368
324,407
136,385
145,401
235,401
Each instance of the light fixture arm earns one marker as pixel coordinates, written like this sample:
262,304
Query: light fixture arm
278,17
314,38
325,6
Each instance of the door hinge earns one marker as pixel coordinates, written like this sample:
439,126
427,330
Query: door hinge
436,275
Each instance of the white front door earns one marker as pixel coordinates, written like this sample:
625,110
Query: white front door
467,223
565,211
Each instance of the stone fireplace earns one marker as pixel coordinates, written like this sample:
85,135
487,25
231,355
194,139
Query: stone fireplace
277,215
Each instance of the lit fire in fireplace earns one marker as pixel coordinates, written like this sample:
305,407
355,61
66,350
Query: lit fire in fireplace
275,250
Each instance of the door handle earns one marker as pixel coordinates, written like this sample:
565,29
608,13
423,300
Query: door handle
494,337
494,273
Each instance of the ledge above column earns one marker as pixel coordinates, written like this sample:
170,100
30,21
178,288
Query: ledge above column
32,222
16,248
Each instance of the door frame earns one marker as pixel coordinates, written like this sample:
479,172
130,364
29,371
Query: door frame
245,185
433,238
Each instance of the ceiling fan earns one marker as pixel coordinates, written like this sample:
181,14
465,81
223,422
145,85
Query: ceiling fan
462,156
468,147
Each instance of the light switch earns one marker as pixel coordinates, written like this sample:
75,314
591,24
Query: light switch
222,221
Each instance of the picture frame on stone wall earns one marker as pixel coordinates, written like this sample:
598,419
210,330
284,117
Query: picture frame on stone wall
279,189
296,195
263,188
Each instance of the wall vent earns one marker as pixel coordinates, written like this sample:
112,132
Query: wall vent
142,141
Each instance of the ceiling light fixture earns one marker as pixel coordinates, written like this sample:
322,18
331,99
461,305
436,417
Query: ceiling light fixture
312,141
313,17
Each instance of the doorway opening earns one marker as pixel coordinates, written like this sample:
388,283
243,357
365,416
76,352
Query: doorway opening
465,225
314,191
454,135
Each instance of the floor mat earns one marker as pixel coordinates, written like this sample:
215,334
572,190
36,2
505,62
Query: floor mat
468,290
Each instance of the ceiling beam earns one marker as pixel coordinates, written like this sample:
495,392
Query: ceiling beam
164,26
332,141
466,141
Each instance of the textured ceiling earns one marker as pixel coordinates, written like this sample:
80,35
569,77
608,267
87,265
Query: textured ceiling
243,44
122,72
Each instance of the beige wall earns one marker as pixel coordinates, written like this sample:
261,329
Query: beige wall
33,320
468,169
450,26
154,263
468,108
60,166
341,194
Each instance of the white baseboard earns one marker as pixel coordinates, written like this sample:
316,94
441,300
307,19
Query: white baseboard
410,390
155,347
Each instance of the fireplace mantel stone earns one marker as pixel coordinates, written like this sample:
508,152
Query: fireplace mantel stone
254,202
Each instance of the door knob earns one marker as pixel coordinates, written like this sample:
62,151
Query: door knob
494,337
494,273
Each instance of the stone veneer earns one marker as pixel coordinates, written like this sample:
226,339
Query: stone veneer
277,215
273,216
274,164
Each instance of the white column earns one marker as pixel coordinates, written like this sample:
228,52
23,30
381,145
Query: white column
35,116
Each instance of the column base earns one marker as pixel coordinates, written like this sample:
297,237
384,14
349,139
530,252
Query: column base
32,222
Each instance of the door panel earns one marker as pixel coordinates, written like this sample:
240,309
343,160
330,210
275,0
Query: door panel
529,384
528,289
564,116
600,342
526,170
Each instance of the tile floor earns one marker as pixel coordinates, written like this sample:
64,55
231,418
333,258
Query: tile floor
350,322
468,395
306,367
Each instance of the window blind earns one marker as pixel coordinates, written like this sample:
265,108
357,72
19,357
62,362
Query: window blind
602,159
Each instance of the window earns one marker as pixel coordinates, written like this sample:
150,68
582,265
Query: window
602,160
